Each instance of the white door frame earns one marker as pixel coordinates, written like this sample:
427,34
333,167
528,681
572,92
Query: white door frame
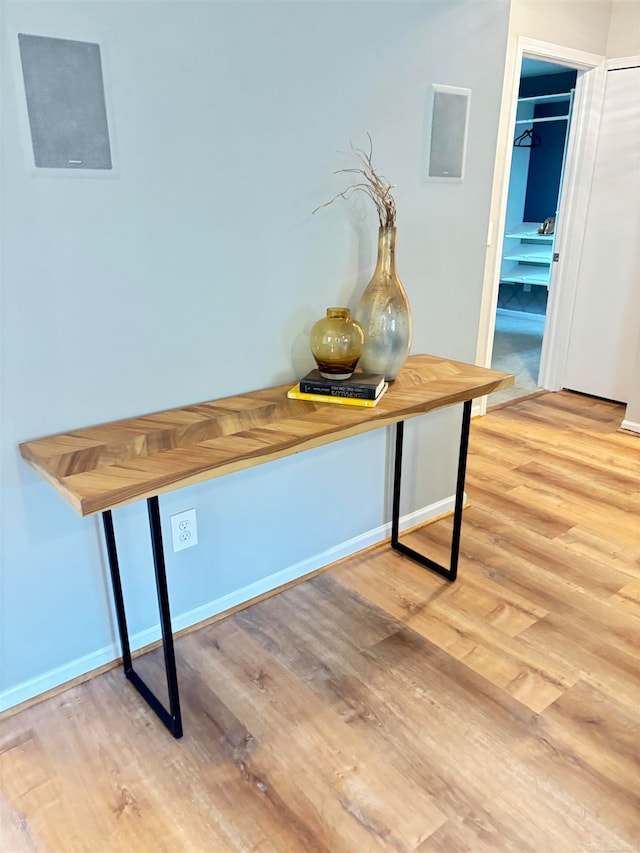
581,150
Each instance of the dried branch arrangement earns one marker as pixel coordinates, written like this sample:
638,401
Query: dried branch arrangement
374,185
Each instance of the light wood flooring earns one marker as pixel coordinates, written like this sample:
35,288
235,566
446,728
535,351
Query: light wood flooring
377,707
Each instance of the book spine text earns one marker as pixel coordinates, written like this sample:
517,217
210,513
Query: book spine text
354,392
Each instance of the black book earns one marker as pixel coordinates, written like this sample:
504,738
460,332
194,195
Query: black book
361,386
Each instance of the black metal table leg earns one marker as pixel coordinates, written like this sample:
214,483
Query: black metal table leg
452,572
171,718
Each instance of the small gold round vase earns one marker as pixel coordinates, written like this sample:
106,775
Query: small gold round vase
337,342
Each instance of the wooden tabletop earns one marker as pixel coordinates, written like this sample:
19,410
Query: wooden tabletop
101,467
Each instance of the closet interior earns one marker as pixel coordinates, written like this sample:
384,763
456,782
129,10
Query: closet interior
539,150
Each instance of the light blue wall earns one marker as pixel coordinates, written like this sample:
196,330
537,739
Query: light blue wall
197,272
518,175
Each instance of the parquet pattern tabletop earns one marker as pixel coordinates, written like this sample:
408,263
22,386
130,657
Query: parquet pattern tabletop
104,466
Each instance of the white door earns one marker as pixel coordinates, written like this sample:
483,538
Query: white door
606,314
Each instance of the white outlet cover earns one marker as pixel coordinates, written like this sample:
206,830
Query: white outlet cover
184,530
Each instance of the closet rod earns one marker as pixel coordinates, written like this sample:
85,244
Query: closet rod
561,96
545,118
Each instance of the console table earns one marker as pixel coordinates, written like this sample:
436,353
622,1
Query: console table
102,467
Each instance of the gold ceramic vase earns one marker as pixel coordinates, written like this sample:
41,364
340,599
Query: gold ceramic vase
384,313
336,343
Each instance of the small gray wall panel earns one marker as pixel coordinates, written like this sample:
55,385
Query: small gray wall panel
448,135
65,102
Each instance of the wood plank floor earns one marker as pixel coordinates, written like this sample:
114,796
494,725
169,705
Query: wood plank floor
377,707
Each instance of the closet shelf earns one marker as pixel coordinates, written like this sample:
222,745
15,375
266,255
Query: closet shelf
540,279
546,99
530,255
528,233
529,260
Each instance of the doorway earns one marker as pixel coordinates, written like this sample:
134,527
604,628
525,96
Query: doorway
569,230
541,131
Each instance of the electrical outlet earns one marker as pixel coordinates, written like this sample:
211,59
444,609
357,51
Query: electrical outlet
184,530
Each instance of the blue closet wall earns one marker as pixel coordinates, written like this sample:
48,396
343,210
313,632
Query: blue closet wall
545,164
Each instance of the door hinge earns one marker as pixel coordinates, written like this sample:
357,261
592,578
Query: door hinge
556,257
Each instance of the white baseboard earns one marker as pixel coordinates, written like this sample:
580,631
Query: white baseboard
478,407
632,426
81,666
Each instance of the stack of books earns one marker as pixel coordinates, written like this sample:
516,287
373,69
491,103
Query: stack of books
362,389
